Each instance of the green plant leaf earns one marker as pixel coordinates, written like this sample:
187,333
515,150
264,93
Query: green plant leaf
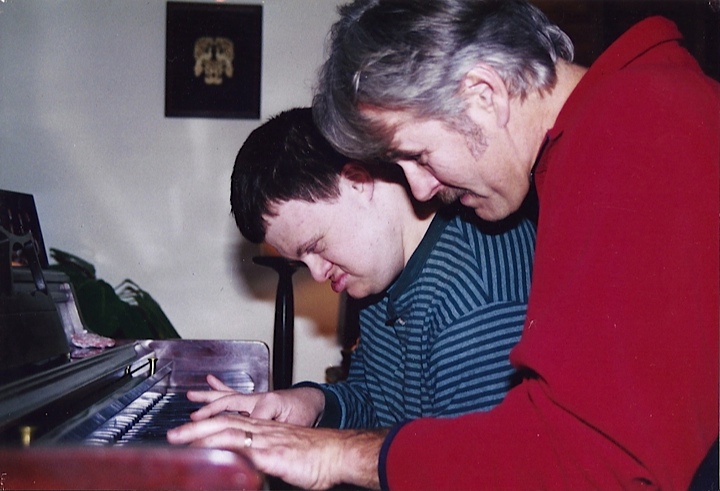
124,312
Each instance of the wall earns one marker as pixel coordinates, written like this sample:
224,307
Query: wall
145,197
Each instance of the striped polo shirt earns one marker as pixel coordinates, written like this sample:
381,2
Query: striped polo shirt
436,343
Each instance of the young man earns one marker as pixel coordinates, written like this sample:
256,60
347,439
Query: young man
475,99
445,295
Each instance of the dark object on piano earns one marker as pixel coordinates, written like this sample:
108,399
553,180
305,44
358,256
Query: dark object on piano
283,334
31,331
18,215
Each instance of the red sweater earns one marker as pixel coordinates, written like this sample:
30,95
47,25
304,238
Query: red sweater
622,327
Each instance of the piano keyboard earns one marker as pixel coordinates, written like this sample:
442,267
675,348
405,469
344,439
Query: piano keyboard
145,421
100,422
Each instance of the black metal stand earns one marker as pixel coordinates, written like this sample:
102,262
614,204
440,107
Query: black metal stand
283,336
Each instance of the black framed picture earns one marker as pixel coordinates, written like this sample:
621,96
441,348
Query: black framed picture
213,60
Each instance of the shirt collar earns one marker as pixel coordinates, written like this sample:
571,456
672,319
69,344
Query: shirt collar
414,267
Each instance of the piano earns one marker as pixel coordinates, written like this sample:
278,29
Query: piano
80,411
99,422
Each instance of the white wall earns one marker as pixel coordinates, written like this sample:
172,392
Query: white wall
145,197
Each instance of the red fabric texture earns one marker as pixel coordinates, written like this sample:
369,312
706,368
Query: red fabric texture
622,325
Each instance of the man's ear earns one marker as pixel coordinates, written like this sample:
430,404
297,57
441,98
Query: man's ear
485,90
358,177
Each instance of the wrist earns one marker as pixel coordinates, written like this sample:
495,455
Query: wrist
313,400
329,411
359,455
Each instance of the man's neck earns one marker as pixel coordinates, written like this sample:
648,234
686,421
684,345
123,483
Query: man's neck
540,110
568,76
409,217
416,227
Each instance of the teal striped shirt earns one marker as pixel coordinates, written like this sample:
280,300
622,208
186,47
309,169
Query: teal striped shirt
437,342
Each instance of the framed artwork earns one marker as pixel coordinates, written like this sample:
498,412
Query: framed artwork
213,60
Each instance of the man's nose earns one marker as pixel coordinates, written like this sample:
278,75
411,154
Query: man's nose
319,268
422,183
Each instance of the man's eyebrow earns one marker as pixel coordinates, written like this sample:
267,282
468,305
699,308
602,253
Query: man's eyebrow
396,154
300,250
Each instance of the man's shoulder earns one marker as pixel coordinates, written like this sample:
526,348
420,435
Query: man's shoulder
474,242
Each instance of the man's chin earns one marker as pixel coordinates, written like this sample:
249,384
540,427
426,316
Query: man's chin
357,294
450,195
484,209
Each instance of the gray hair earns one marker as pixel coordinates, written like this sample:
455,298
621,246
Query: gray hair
412,55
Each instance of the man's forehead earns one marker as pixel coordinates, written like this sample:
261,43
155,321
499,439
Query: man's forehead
291,227
281,211
388,122
390,118
281,222
287,243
